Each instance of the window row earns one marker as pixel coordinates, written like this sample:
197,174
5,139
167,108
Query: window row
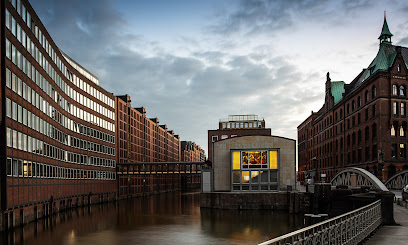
30,95
24,64
29,119
399,148
401,130
28,169
242,125
398,108
25,15
398,90
23,142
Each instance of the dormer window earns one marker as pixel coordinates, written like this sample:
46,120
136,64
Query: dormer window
402,90
394,90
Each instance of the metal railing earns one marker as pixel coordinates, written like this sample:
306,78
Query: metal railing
350,228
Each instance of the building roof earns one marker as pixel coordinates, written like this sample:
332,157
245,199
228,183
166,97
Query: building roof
337,90
384,59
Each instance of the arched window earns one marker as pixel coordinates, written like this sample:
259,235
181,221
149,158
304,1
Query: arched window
348,109
353,105
402,132
402,90
341,113
358,101
392,130
367,96
374,92
394,90
402,109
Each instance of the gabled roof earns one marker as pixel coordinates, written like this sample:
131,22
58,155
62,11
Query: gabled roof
337,90
384,59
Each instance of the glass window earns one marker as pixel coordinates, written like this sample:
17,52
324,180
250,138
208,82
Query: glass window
20,168
14,110
20,141
273,161
236,160
20,114
395,108
254,176
9,138
15,167
8,107
394,90
8,49
273,176
25,168
245,177
9,166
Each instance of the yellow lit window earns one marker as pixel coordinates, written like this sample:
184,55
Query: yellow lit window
273,159
245,176
236,160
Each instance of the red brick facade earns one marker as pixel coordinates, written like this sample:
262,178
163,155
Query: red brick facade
57,127
191,152
141,139
366,128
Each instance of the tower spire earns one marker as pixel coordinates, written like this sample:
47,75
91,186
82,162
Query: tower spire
385,35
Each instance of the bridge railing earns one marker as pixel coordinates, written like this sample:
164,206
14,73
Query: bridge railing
350,228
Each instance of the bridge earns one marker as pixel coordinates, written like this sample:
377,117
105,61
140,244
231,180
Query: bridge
354,226
398,181
144,178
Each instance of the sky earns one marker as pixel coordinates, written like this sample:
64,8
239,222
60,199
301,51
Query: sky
192,63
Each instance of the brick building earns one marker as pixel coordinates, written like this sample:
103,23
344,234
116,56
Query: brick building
191,152
57,125
142,139
361,124
237,125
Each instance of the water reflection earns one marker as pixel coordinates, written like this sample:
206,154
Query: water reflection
161,219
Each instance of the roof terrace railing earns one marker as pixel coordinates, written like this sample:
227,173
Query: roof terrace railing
239,118
349,228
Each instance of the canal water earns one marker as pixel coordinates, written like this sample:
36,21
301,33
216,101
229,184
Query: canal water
171,218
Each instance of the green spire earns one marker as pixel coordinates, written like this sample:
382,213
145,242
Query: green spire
385,33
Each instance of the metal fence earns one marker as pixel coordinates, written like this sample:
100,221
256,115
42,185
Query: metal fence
350,228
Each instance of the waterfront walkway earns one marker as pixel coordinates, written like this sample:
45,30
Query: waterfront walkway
396,234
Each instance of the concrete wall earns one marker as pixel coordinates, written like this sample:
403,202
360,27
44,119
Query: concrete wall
222,158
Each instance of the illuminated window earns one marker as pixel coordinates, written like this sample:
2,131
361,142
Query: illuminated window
254,170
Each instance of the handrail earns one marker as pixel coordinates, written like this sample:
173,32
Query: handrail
348,228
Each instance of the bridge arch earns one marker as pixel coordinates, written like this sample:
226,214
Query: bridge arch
363,177
398,181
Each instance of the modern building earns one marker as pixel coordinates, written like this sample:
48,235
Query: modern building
57,125
252,164
142,139
236,125
361,124
191,152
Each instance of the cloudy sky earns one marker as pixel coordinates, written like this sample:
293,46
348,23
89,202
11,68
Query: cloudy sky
192,63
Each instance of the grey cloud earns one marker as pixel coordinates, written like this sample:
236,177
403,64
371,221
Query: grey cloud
219,83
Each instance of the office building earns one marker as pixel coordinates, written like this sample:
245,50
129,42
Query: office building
236,125
57,127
